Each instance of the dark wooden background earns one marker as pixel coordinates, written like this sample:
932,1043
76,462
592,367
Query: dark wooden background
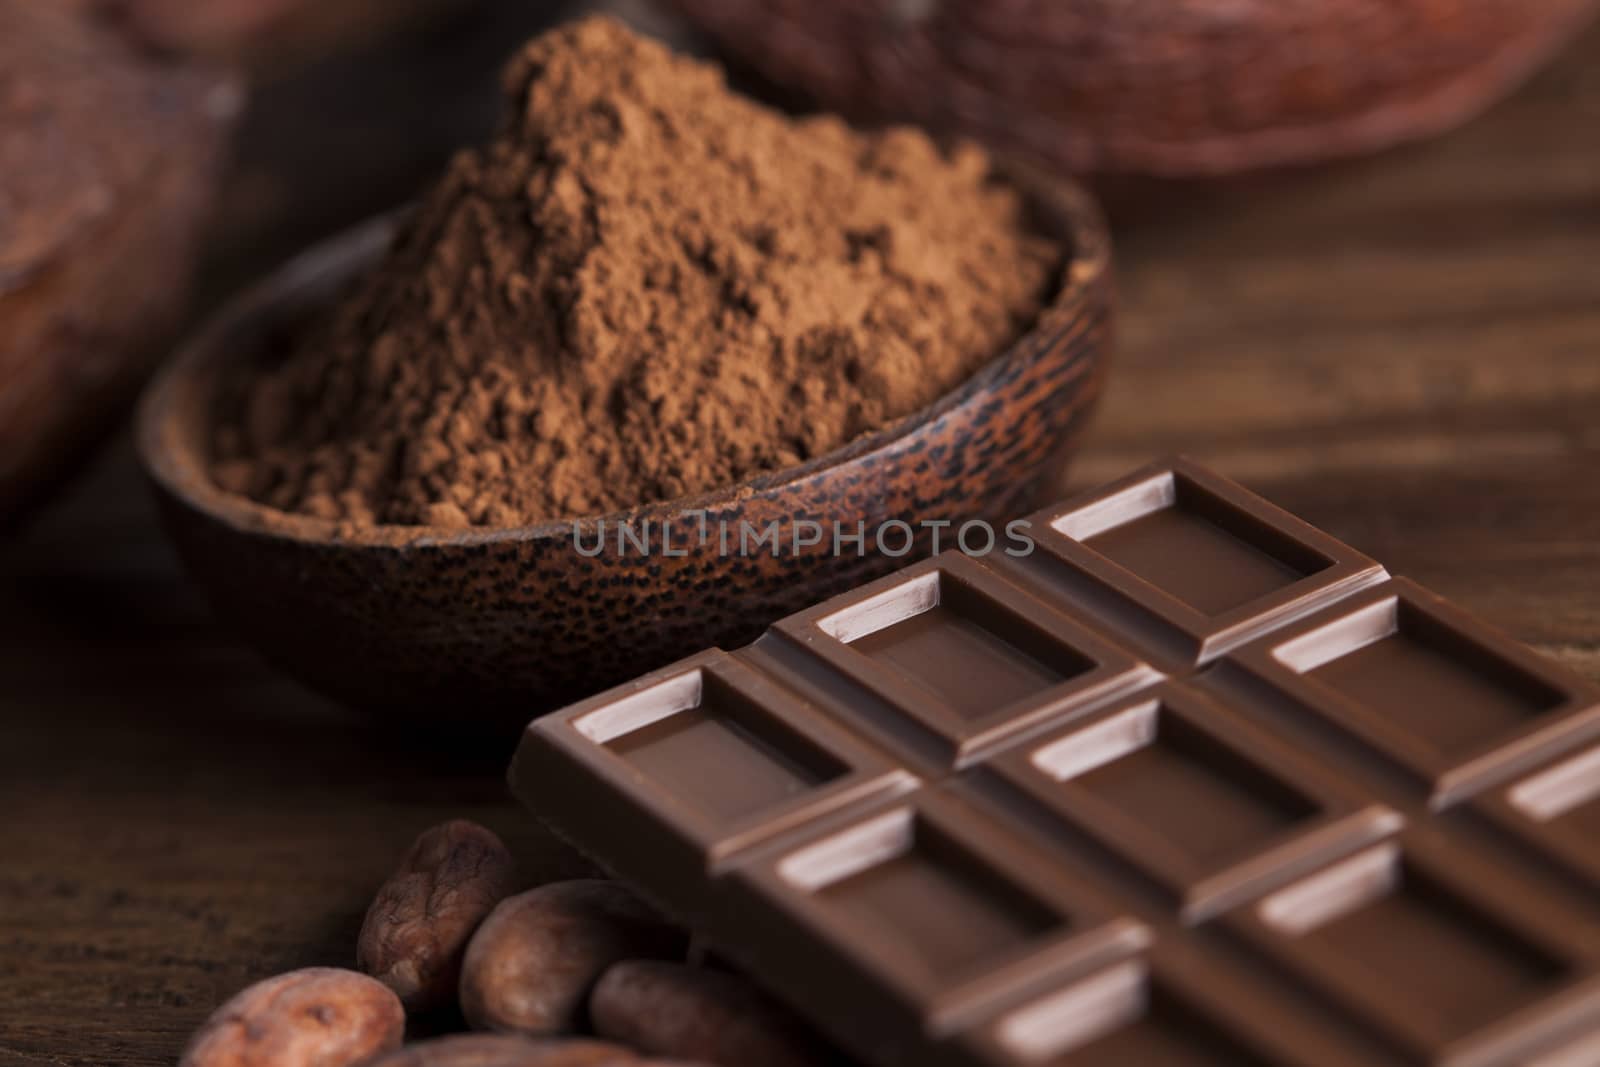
1404,350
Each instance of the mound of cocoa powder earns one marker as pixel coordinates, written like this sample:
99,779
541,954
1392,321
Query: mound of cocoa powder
644,287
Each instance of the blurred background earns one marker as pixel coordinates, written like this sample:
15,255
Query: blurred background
1359,263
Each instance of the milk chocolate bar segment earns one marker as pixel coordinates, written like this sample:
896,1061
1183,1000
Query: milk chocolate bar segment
1555,810
1445,955
1169,1008
921,911
1452,703
1194,797
946,660
665,778
1177,558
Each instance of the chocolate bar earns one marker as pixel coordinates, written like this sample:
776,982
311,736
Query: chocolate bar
1191,784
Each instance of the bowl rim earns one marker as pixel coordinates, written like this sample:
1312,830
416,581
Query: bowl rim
171,463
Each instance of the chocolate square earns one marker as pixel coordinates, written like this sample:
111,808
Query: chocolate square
949,661
922,910
1196,798
1556,810
1168,1008
1180,559
1439,953
1452,703
700,760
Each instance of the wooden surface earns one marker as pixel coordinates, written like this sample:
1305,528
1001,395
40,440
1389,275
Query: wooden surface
1405,351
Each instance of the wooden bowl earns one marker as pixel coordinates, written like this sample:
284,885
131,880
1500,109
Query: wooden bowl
1165,87
490,626
108,162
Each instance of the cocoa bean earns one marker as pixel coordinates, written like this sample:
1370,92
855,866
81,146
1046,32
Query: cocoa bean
508,1050
417,929
532,963
672,1009
317,1017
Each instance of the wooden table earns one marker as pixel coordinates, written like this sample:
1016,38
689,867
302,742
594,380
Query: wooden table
1405,351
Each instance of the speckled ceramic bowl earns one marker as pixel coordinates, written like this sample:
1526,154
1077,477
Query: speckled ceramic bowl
492,626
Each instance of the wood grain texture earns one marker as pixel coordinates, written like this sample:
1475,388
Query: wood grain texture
1402,351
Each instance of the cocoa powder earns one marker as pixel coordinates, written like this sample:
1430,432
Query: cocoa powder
644,287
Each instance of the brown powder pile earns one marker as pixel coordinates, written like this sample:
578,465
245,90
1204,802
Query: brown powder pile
645,287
